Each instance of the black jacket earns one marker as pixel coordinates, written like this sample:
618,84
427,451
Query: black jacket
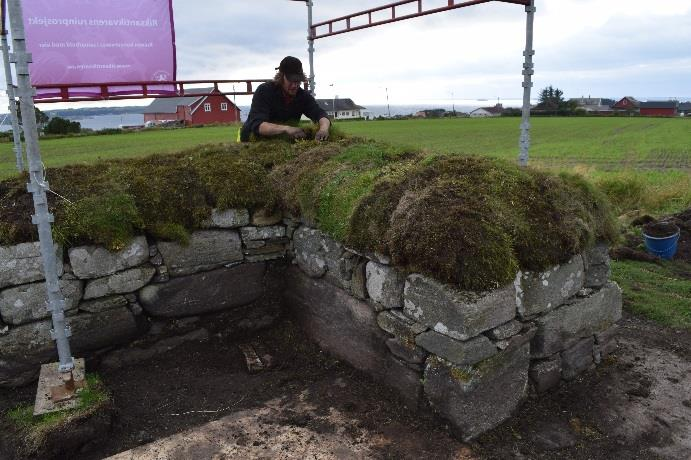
269,105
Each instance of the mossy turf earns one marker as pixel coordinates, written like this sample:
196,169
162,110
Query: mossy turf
466,220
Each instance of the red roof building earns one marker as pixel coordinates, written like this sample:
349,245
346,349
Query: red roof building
659,108
193,110
628,105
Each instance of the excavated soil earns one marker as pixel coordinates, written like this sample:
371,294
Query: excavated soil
199,401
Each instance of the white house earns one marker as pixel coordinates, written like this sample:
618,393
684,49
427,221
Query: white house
487,111
345,108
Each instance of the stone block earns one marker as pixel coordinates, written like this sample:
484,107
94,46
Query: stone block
207,249
457,314
262,233
541,292
347,327
545,374
459,353
162,275
228,218
478,398
597,275
205,292
22,263
358,281
315,252
577,358
119,283
597,255
597,266
97,261
506,330
27,346
410,353
27,303
385,285
262,217
580,318
103,304
605,343
397,324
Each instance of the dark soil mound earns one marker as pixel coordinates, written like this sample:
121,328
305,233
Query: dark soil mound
660,229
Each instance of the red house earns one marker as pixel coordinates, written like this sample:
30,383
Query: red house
193,110
659,108
628,105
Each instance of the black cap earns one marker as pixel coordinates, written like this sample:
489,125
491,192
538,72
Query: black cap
291,68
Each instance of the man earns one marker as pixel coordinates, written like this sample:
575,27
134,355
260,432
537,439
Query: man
277,103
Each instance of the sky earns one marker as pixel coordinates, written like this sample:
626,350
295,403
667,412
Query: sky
598,48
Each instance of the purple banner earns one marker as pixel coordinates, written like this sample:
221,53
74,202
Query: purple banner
100,41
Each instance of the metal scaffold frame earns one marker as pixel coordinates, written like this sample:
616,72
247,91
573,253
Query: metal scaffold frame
368,18
37,186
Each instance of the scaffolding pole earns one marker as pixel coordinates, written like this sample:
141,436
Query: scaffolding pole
37,187
528,71
310,47
16,130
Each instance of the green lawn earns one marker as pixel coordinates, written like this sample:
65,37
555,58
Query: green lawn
610,142
89,149
660,292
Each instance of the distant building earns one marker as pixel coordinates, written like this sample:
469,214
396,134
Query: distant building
193,110
597,105
627,104
344,108
659,108
685,109
431,113
495,111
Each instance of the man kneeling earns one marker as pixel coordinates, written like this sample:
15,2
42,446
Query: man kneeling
283,101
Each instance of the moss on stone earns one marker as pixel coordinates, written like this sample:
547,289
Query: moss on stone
109,220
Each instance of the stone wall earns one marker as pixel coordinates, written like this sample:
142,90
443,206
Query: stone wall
471,357
113,298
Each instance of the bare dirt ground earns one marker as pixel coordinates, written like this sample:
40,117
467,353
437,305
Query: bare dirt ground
199,401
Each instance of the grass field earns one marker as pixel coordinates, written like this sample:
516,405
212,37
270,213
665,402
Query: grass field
89,149
608,142
612,143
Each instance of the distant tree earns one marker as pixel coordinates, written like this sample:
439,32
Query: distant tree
552,100
41,118
58,125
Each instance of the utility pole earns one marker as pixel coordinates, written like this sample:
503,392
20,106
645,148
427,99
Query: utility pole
528,71
388,107
37,187
16,129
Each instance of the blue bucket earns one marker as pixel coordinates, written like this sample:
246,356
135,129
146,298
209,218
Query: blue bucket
664,247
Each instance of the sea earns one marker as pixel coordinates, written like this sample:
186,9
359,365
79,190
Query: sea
372,111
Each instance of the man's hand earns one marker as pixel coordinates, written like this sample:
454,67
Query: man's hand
295,133
322,135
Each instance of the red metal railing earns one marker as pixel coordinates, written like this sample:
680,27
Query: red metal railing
366,15
136,90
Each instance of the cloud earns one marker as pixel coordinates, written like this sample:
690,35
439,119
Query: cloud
607,48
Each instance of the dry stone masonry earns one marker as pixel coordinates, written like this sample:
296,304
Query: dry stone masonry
471,357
